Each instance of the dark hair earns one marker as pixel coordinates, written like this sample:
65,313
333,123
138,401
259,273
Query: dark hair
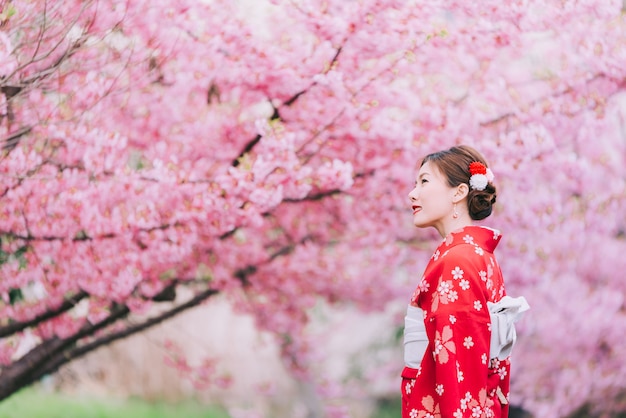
454,164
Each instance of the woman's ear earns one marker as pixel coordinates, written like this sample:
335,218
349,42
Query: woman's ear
460,193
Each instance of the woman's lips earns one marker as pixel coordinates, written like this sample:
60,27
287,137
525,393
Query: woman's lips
416,209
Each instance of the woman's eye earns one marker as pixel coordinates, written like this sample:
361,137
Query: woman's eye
424,181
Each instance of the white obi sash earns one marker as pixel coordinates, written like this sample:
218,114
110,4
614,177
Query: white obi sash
415,338
503,315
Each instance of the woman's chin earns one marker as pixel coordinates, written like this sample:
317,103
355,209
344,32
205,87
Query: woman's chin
420,220
420,223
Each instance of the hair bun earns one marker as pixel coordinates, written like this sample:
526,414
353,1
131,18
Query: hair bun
480,202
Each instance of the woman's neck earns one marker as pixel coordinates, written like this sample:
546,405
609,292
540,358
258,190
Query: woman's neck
453,224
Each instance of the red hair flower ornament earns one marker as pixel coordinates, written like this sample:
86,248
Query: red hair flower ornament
480,176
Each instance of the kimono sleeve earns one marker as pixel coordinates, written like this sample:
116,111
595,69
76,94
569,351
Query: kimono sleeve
459,318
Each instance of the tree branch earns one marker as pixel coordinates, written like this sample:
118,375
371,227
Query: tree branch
13,139
49,314
55,352
276,115
27,369
314,197
80,351
565,91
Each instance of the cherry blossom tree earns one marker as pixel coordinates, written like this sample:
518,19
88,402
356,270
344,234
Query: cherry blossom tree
147,147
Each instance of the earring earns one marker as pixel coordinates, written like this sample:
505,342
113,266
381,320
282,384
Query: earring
455,214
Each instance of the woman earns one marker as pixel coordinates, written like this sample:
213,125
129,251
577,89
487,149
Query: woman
450,371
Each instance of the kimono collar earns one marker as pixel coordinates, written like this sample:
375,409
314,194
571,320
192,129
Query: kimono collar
486,238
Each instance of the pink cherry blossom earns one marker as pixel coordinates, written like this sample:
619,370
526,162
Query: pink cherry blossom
269,158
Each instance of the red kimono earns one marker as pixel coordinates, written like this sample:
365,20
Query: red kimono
456,378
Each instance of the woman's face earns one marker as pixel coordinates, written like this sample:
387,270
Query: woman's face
432,198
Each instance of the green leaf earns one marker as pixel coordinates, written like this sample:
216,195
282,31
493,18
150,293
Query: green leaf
8,13
15,295
20,256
